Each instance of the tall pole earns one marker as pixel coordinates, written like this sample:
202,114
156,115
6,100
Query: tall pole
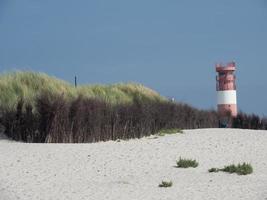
75,81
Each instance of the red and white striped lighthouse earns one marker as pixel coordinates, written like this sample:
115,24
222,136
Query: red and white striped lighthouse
226,92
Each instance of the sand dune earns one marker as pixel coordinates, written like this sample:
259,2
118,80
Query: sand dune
133,169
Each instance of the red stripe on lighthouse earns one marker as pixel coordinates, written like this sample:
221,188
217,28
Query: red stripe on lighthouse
226,89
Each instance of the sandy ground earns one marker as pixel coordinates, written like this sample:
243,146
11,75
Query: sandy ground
133,169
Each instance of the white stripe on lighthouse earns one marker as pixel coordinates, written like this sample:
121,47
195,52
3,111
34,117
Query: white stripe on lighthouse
226,97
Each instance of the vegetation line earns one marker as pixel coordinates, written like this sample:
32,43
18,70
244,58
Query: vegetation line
35,107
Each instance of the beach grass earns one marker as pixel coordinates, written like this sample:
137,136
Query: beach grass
240,169
28,85
186,163
165,184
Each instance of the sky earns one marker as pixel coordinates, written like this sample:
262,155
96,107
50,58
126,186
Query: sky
170,46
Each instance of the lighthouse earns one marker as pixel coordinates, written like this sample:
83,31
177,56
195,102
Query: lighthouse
226,93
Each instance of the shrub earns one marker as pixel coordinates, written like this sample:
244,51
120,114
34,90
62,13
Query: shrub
165,184
186,163
240,169
249,121
57,119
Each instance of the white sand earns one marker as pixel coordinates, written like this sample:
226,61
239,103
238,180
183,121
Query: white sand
133,169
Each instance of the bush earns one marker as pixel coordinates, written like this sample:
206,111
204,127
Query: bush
246,121
165,184
240,169
186,163
57,119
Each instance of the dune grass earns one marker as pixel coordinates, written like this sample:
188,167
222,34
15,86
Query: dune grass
186,163
240,169
29,85
165,184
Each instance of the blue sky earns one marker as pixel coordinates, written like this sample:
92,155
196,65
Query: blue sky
168,45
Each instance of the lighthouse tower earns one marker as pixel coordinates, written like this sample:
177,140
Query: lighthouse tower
226,93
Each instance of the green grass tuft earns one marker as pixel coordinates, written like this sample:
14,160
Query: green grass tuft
165,184
163,132
240,169
186,163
